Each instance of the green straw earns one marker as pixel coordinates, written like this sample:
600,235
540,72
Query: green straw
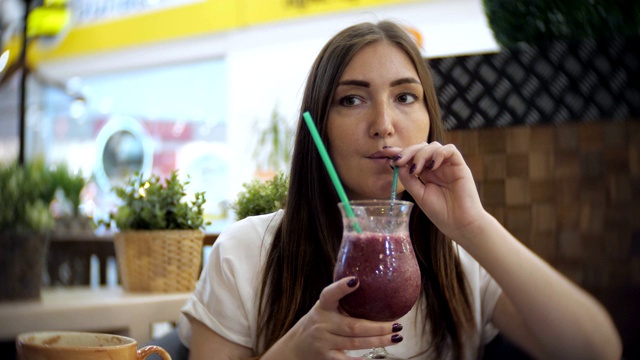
332,171
394,188
394,184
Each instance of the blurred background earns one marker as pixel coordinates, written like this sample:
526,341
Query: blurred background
191,82
543,99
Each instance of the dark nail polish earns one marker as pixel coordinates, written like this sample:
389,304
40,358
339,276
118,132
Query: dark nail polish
386,147
412,169
397,157
396,338
352,282
430,166
396,327
391,166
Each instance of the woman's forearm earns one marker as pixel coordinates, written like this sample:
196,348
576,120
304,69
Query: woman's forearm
565,321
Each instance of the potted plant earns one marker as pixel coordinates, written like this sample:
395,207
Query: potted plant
25,221
159,243
273,146
261,196
68,187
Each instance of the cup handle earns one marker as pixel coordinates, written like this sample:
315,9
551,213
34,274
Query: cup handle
152,349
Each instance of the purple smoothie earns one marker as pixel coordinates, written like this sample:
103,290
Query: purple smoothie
388,273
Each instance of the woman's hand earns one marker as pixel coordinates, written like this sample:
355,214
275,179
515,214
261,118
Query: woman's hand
442,185
324,332
573,325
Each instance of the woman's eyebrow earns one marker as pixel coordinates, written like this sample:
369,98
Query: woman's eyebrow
355,83
366,84
407,80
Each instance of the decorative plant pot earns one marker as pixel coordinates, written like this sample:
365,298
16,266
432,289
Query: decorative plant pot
159,260
22,260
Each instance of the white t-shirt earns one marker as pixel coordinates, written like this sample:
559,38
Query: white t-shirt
226,296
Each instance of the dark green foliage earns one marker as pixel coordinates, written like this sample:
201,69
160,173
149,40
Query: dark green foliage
150,204
262,197
26,192
522,21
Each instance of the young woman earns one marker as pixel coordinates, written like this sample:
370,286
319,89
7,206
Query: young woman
267,289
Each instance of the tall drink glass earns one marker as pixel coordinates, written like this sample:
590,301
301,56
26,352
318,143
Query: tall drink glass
381,256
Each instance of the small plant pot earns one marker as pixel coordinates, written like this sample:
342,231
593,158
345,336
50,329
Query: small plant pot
159,261
22,260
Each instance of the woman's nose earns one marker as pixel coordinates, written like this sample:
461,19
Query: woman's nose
382,123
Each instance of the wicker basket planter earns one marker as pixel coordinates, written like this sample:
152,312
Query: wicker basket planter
22,261
159,261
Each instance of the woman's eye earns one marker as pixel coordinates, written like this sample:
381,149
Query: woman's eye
350,100
407,98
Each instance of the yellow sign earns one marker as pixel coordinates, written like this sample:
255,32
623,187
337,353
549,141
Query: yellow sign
192,19
259,11
47,21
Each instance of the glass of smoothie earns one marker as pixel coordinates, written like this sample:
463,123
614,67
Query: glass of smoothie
378,251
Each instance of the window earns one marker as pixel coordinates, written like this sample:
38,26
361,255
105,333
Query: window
108,126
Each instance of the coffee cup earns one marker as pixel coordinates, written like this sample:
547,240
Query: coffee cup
75,345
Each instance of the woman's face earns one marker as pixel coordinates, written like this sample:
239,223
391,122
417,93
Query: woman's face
379,101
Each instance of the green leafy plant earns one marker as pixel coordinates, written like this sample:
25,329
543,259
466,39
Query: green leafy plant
153,204
273,148
71,184
524,21
26,193
262,197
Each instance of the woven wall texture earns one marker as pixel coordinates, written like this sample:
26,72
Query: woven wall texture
555,82
571,193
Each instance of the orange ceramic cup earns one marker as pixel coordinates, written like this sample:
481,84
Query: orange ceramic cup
74,345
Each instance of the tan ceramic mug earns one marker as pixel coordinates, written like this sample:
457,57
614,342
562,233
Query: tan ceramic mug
73,345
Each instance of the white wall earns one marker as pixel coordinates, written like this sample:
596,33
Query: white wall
268,64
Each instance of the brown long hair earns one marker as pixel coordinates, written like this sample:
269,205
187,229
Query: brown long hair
301,258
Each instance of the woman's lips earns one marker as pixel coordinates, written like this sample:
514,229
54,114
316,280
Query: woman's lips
379,155
380,158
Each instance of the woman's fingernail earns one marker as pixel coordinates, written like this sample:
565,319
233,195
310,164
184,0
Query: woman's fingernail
391,166
430,166
396,327
386,147
397,157
412,169
396,338
352,282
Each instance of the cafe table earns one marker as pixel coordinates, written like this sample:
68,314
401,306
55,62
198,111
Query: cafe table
96,309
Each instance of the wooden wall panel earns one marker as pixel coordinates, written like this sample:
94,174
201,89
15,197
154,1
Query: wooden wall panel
569,192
